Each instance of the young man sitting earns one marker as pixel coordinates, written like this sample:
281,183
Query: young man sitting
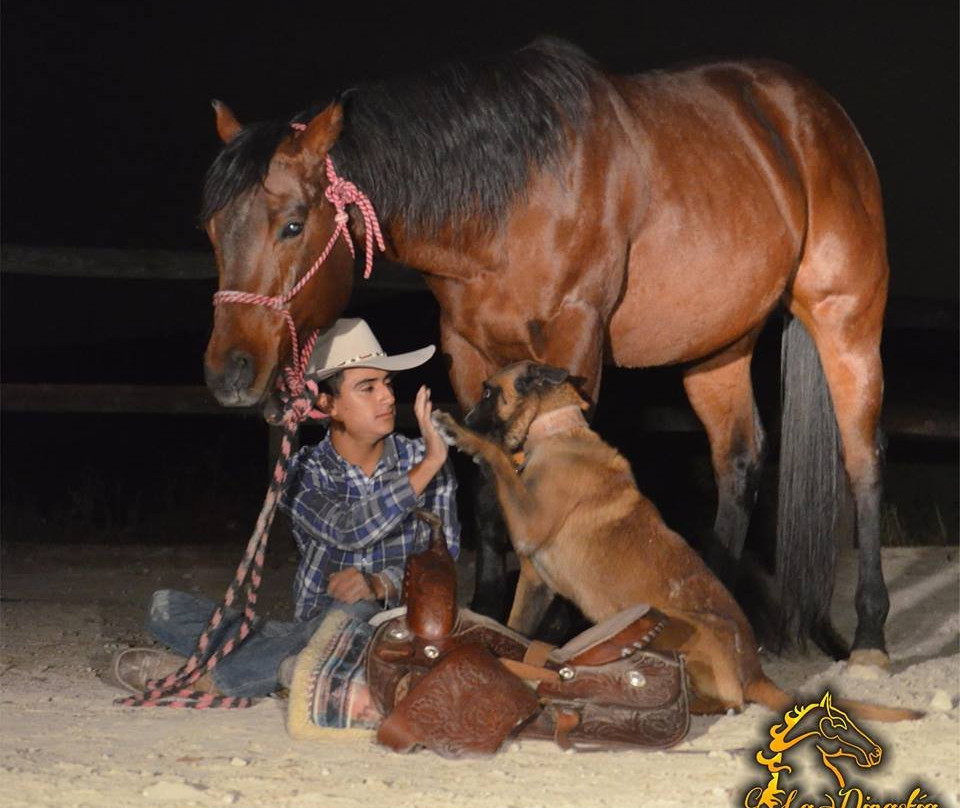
351,500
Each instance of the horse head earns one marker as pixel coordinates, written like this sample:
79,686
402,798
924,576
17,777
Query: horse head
831,731
841,737
268,218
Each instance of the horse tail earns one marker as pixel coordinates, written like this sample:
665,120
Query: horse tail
814,495
763,691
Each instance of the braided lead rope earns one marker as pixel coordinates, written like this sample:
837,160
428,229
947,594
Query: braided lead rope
340,193
294,375
176,689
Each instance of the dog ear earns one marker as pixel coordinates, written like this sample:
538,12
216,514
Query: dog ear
540,377
578,382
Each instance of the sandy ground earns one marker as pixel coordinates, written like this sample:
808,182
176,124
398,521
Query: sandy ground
66,609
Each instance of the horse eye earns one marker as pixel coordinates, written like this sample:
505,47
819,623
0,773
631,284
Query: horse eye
291,230
487,392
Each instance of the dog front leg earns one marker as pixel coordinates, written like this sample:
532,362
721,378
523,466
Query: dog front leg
531,601
527,526
511,492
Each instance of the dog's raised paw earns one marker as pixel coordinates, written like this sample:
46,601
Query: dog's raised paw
445,426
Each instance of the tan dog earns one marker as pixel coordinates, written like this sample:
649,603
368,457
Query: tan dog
582,529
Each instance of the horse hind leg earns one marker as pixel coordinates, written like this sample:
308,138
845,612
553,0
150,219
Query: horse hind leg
848,342
721,393
846,331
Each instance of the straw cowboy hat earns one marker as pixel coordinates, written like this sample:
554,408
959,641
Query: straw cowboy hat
349,343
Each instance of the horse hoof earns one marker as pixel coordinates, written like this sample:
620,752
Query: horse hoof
869,657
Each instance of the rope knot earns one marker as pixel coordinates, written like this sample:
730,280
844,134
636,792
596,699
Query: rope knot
302,406
340,193
297,411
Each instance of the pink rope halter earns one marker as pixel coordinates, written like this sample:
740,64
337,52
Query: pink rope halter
176,690
340,193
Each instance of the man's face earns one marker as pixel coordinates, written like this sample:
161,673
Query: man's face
365,405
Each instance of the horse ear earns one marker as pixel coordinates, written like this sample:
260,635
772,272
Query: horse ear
228,127
322,132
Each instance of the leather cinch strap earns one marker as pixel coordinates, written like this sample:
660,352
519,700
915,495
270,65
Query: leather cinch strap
532,673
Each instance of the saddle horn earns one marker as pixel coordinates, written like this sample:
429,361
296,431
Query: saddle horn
430,585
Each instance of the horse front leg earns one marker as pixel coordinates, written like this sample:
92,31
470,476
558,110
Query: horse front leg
468,369
721,393
491,595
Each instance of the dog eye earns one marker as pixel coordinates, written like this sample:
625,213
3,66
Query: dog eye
291,230
487,392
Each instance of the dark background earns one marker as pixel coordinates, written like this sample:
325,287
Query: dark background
107,128
107,131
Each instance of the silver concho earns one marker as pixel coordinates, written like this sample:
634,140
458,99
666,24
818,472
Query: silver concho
398,632
636,679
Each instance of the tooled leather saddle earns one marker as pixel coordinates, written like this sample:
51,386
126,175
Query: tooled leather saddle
461,684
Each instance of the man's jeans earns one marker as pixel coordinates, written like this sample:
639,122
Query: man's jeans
177,619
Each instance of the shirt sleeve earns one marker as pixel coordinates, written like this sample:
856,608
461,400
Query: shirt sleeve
395,576
440,497
322,514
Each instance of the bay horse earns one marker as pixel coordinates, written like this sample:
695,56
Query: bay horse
574,217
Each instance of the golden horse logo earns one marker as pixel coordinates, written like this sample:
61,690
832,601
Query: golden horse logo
835,736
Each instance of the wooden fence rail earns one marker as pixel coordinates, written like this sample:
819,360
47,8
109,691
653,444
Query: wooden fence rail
142,265
913,421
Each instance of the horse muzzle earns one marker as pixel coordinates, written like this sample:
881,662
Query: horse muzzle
234,385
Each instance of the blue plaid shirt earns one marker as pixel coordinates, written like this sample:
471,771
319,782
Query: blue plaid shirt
342,518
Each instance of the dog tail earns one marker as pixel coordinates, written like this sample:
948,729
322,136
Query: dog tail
763,691
877,712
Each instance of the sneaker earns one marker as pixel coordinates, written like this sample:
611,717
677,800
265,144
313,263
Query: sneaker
132,668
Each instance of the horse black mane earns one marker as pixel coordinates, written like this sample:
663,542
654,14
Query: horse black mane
457,142
241,164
